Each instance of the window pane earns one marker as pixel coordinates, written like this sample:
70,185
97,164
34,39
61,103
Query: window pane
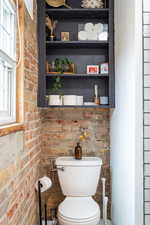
7,92
7,31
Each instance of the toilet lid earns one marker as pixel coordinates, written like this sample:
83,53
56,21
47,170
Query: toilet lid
79,208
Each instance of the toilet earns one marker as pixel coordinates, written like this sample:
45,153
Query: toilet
78,180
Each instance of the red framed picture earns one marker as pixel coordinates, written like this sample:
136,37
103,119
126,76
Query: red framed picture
92,69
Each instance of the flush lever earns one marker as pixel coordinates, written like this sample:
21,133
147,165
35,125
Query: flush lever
60,168
56,168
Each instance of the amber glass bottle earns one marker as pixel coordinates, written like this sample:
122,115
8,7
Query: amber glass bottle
78,151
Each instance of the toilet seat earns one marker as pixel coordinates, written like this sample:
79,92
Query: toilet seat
78,220
78,210
63,221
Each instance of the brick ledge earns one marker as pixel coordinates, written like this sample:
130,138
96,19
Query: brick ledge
11,128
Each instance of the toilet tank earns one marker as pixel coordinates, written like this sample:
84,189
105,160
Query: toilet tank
78,177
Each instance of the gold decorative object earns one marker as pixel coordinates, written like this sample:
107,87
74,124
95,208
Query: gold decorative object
57,3
51,24
92,4
72,68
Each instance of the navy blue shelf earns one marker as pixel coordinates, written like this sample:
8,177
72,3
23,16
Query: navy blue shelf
79,106
78,75
76,44
77,13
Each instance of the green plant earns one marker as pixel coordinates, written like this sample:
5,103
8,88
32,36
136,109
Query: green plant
58,65
57,84
66,61
46,99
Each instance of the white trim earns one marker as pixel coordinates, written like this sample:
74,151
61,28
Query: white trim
126,122
139,212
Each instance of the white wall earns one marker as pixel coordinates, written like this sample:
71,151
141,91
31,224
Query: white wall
126,118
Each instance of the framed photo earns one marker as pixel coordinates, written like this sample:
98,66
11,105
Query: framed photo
65,36
92,69
104,68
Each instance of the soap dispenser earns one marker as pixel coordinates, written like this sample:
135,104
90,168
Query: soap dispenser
78,152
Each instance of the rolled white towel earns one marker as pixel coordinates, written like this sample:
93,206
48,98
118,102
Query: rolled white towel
98,27
82,35
89,27
103,36
91,36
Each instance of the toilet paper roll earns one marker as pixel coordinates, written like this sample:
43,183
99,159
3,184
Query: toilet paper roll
46,183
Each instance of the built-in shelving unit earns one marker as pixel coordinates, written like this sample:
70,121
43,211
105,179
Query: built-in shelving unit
81,53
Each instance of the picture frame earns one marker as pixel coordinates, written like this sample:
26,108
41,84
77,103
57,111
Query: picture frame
92,69
104,68
65,36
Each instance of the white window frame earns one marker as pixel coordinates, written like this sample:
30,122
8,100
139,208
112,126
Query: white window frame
8,59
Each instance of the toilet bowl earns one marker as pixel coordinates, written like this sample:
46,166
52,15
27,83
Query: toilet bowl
78,181
78,210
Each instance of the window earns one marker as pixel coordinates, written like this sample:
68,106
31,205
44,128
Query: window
7,62
29,6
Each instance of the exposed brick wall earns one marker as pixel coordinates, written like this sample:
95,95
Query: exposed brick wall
60,133
32,146
21,151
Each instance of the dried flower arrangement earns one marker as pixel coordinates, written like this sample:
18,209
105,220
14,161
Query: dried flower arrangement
51,24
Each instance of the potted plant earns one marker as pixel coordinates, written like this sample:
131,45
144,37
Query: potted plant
66,65
58,65
56,99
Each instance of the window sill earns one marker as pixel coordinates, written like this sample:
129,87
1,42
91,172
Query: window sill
11,128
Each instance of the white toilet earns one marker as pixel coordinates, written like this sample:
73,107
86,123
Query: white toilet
78,180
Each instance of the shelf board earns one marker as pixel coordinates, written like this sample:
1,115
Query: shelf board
79,106
77,75
77,12
76,44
